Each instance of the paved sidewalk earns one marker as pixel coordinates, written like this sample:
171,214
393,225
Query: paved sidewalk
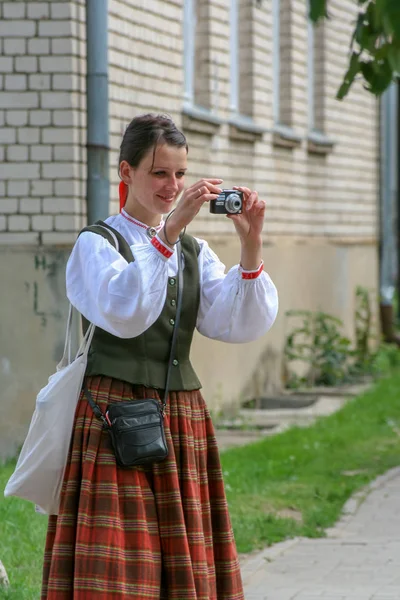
359,560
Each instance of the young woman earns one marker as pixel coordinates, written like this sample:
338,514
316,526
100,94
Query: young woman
160,531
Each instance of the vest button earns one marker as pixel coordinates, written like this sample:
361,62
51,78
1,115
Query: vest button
173,303
172,321
175,362
172,281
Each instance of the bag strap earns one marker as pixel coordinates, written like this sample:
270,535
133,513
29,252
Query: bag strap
87,338
113,236
177,320
83,348
66,357
95,407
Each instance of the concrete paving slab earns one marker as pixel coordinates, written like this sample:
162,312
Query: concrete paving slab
358,560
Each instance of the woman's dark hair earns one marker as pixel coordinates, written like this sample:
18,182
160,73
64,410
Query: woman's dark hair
148,131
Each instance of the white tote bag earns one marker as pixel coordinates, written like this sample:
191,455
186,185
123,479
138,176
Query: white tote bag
39,472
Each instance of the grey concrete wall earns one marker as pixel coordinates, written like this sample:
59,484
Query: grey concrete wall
33,312
32,326
321,222
311,276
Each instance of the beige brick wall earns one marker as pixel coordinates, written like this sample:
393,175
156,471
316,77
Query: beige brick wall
322,217
42,114
143,76
42,118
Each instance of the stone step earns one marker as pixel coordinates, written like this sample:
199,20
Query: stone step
231,437
323,406
276,414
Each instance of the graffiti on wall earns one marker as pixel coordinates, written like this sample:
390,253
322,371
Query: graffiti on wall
49,269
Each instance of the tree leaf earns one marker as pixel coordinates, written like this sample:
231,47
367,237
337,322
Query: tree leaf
344,90
378,75
368,40
392,15
354,67
317,9
380,10
357,28
383,52
374,18
393,57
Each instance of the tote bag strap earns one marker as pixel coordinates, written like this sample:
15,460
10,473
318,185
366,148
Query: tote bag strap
66,357
87,339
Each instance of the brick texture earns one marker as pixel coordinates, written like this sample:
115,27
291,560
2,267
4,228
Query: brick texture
43,118
41,121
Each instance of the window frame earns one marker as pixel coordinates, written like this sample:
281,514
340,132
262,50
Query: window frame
283,133
195,117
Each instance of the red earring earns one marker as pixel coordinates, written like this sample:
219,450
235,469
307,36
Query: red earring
123,194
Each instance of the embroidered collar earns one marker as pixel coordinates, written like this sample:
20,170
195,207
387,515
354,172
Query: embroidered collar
151,231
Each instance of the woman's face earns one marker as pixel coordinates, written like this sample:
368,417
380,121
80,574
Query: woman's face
154,186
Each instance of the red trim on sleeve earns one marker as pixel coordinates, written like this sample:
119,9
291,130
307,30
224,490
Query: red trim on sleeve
161,248
253,274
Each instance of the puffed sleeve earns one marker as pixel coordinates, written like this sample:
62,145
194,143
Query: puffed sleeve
122,298
239,306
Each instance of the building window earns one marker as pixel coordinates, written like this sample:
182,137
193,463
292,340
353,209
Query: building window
317,140
242,76
241,58
234,41
198,93
196,54
311,75
282,60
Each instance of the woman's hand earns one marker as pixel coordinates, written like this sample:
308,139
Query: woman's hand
249,225
250,222
189,205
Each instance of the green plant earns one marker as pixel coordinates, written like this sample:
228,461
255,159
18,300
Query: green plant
362,354
363,322
319,343
374,55
385,360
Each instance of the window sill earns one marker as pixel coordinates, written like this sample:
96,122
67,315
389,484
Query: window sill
319,143
285,137
244,129
198,119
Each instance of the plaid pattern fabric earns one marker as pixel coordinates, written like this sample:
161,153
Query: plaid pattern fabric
146,533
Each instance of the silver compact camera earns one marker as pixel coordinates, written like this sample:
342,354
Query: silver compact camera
229,202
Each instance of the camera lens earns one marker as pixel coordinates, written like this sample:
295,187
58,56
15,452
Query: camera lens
233,203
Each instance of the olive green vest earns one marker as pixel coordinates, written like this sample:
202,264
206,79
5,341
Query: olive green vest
144,359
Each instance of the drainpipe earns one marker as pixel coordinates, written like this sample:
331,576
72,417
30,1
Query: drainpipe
388,246
98,185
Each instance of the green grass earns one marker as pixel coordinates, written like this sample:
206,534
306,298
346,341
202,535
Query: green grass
22,540
310,473
300,473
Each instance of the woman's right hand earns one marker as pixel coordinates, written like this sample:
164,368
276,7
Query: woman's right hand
189,205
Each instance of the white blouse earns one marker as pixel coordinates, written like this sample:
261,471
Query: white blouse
125,299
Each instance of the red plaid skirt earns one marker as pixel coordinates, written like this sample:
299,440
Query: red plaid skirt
146,533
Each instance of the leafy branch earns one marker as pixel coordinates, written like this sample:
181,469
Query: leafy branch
374,45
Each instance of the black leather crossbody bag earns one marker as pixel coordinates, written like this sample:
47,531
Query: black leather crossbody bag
136,427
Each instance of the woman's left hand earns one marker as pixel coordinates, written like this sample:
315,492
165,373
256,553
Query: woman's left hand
250,222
